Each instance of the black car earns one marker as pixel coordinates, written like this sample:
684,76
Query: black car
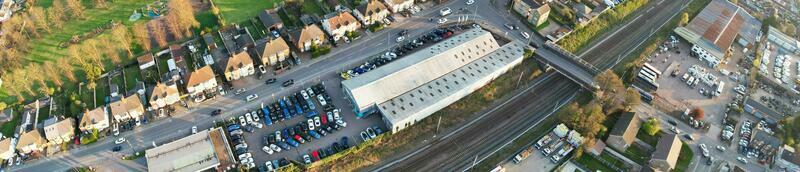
216,112
330,151
345,143
271,80
288,83
283,162
402,33
322,153
271,138
336,147
116,148
292,132
672,122
300,128
306,136
319,89
241,151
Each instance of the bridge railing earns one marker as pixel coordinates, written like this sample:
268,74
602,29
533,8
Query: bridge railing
553,46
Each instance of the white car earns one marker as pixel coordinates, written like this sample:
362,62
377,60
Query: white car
269,166
525,35
310,92
445,11
245,156
330,117
257,125
242,121
470,2
336,114
221,91
720,148
262,69
317,122
676,130
442,20
341,123
400,38
307,159
255,116
267,150
304,93
321,100
246,160
120,140
252,97
741,159
275,147
311,124
278,136
248,117
194,129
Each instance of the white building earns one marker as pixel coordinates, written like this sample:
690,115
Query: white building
787,159
197,152
339,24
94,119
58,132
398,5
413,87
201,80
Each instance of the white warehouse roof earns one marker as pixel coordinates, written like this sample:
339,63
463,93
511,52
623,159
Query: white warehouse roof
197,152
416,69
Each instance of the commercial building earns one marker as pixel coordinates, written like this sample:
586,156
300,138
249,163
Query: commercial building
624,131
786,43
787,159
713,31
421,83
197,152
667,151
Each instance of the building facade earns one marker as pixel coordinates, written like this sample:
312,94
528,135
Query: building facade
338,25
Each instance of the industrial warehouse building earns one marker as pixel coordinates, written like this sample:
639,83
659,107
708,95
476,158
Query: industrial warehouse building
198,152
415,86
714,30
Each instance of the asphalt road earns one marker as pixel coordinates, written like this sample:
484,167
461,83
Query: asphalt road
179,125
478,139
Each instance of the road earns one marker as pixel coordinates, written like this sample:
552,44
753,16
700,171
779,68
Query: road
480,138
179,125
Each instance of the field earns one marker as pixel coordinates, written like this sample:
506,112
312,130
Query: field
237,11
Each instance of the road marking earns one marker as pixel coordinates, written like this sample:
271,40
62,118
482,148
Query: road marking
526,130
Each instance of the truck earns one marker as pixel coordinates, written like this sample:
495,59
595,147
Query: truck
561,153
553,147
522,155
544,140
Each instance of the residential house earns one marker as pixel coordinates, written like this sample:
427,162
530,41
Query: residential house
339,24
146,61
666,154
534,11
7,150
164,94
372,12
398,5
307,37
31,141
270,19
94,119
583,13
274,51
127,108
201,80
624,131
239,65
787,159
58,132
6,9
6,114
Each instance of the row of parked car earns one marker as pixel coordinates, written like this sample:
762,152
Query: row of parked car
321,153
240,148
371,133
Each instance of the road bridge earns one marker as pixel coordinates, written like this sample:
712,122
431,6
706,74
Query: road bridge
566,63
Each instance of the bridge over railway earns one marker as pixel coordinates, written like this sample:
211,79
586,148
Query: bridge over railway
568,64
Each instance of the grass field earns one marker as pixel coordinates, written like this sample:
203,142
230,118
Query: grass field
592,163
237,11
684,159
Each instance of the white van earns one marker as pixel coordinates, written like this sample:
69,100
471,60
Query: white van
719,88
689,82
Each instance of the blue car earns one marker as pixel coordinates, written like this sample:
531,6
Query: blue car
266,116
284,145
311,114
311,105
344,143
292,142
314,134
285,134
275,164
233,127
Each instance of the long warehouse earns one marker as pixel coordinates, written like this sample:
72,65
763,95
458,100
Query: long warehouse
413,87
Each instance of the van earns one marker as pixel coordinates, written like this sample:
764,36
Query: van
720,86
685,77
689,82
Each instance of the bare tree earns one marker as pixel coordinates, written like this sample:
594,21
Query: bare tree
182,12
140,32
158,33
75,53
91,50
101,4
53,73
76,9
37,14
56,13
64,66
111,50
120,34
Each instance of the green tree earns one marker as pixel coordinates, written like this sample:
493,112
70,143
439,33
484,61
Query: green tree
651,126
632,98
3,105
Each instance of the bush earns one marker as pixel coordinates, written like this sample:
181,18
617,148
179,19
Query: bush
583,35
698,113
375,27
651,126
317,51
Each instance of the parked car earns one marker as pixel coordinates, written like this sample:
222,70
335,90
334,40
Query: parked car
378,130
445,11
371,133
365,136
116,148
120,140
525,35
307,159
345,142
299,139
252,97
311,125
317,121
321,100
442,20
314,134
292,142
275,147
262,69
194,129
284,145
267,150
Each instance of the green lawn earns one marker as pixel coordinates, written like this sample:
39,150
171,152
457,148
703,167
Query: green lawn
207,20
592,163
237,11
312,9
684,158
132,74
652,140
637,154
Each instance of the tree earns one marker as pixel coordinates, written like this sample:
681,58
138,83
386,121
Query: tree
632,98
53,73
142,35
120,34
3,106
91,50
698,113
76,9
181,18
158,33
55,14
684,19
611,90
102,4
651,126
37,14
111,50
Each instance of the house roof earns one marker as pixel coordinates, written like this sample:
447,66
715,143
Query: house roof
30,137
162,90
126,104
146,58
668,149
5,145
395,2
720,22
627,126
238,61
274,46
200,76
343,19
93,116
269,19
308,33
537,5
59,128
373,7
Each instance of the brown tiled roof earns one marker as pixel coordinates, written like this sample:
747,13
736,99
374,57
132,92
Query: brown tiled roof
60,128
199,76
343,19
126,104
94,116
668,149
543,9
627,126
308,33
145,58
238,61
373,7
5,145
161,91
31,137
274,46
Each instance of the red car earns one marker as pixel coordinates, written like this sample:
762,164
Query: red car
299,139
315,154
324,119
